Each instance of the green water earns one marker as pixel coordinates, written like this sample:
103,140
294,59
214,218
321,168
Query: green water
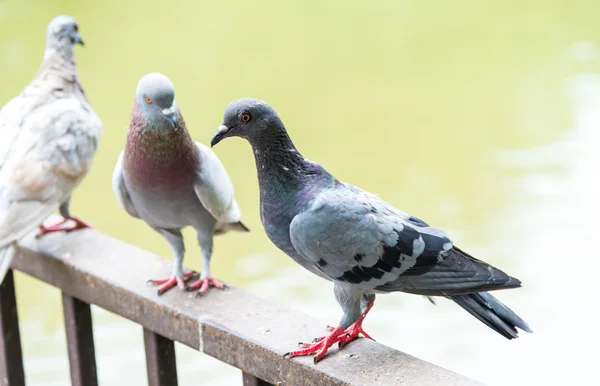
417,101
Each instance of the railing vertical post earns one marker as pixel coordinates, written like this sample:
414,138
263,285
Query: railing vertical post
80,341
11,358
160,359
251,380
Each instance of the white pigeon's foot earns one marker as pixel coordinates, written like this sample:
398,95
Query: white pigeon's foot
61,227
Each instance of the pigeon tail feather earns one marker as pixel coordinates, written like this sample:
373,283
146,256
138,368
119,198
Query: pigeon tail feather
236,226
491,312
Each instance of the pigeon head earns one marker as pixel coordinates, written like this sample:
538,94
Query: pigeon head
250,119
155,97
63,34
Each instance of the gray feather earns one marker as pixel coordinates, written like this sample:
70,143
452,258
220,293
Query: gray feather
457,273
491,312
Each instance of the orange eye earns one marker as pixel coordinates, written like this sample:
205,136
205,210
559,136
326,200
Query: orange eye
246,117
148,100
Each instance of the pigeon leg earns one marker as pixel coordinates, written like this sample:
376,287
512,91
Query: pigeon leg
319,346
355,328
206,280
175,239
352,332
354,324
61,226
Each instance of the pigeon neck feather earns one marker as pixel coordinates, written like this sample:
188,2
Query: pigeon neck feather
156,158
286,179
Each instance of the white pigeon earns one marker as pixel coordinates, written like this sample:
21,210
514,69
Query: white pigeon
48,137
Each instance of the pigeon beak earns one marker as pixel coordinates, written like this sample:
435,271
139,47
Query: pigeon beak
79,40
219,135
171,115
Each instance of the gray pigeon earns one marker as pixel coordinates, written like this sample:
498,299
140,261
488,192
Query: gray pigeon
166,179
48,138
355,239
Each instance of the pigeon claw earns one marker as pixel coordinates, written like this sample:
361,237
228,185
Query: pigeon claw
352,332
319,346
61,227
328,328
204,283
170,282
355,329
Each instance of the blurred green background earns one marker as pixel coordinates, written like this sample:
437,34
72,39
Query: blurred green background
468,114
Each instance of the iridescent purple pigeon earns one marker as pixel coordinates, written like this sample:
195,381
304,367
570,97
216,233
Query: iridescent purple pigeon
353,238
166,179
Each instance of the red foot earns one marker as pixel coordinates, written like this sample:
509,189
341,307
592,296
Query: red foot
168,283
203,284
60,226
351,332
319,346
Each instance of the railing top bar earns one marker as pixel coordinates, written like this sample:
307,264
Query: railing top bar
232,326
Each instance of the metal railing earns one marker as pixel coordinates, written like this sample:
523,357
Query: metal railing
240,329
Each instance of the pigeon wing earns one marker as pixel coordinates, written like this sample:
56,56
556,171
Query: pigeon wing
120,189
214,188
357,238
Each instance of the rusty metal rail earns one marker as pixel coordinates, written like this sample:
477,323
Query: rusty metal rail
233,326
